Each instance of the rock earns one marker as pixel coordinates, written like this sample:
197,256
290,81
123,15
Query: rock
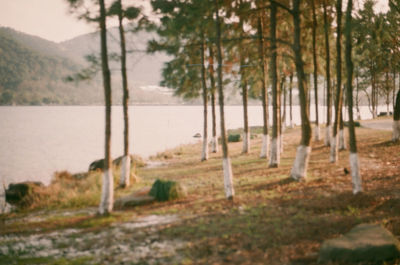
21,194
99,164
164,190
132,201
364,243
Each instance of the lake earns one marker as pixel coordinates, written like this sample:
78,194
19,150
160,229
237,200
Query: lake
37,141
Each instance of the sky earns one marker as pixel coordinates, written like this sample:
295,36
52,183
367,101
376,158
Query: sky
51,20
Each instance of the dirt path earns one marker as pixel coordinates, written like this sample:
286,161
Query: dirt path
378,124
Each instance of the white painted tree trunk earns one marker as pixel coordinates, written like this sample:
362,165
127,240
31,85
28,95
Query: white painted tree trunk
355,173
342,140
281,144
204,154
264,146
107,193
317,133
396,131
228,179
334,154
291,126
246,143
299,169
214,144
125,171
274,158
328,130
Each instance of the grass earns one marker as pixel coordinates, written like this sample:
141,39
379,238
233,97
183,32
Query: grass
272,219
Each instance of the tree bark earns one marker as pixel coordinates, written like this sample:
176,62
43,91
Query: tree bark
276,110
396,119
214,145
107,194
354,163
204,154
126,160
334,156
228,178
264,94
328,78
290,100
300,165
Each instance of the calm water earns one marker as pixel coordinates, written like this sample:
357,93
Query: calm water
37,141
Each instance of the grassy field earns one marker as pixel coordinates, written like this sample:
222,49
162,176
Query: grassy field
271,220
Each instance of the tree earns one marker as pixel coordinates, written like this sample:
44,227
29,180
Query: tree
354,163
227,168
214,143
339,96
107,194
300,164
276,109
315,64
129,13
327,76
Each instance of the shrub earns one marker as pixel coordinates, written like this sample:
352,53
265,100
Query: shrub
163,190
234,138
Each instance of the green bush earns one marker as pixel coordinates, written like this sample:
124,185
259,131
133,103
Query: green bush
164,190
234,138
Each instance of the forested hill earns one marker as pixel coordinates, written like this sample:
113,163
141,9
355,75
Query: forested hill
32,72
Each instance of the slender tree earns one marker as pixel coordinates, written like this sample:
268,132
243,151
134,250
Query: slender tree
291,100
328,77
300,165
264,94
214,142
275,146
315,63
354,163
227,168
334,156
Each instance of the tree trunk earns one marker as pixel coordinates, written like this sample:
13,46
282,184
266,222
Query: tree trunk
107,194
342,139
291,100
396,119
334,156
264,94
357,103
315,62
204,154
284,90
228,178
243,84
214,143
354,163
300,165
328,78
275,147
126,160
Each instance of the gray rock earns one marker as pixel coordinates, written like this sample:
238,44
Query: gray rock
20,194
364,243
132,201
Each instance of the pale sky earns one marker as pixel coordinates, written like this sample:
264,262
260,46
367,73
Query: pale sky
50,19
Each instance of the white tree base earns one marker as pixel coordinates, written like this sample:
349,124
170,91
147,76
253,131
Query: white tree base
125,171
246,143
396,131
334,152
316,133
107,192
275,152
291,126
342,140
264,146
355,173
328,130
214,144
299,169
204,154
228,178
